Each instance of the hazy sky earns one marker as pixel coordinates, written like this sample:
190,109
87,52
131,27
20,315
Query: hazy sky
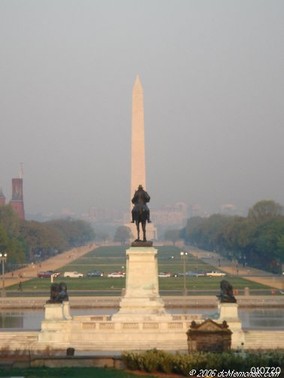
213,79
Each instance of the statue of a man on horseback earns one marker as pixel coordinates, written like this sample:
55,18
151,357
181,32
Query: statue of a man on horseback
140,211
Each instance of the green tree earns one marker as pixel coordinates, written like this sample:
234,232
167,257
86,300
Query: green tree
122,235
10,240
257,240
268,244
22,240
10,221
75,232
238,238
264,210
192,231
280,248
41,239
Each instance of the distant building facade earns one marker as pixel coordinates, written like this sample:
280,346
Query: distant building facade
104,215
174,215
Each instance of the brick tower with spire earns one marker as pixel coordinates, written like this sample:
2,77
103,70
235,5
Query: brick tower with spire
17,201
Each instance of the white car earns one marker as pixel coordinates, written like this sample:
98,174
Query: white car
164,275
73,275
215,274
116,275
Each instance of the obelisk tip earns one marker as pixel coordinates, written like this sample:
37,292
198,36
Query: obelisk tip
137,81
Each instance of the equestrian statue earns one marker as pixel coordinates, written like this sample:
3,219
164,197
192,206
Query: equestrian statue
140,211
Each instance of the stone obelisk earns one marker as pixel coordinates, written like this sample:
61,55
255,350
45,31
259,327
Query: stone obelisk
138,168
138,165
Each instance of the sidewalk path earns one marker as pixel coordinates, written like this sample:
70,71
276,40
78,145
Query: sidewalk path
227,266
53,263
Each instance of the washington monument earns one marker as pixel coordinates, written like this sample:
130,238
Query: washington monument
138,165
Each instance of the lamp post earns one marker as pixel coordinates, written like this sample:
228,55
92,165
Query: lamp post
183,256
3,259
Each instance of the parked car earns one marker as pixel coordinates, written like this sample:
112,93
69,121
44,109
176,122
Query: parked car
73,275
116,275
191,274
200,274
164,275
215,274
48,274
188,274
95,273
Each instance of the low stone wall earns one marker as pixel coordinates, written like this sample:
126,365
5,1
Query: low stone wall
170,302
26,343
258,339
102,334
23,341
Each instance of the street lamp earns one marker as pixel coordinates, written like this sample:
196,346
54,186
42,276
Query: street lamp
183,256
3,259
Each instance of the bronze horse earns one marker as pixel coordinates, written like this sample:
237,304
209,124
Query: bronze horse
140,215
140,212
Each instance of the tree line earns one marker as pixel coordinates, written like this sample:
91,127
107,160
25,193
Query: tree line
31,241
256,240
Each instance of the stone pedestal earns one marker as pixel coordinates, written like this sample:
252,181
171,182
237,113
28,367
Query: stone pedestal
57,311
56,326
66,310
53,311
229,313
141,300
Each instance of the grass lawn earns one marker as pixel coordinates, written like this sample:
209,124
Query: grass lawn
73,372
110,259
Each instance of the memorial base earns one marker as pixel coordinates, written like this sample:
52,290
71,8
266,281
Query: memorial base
57,311
229,313
141,322
141,300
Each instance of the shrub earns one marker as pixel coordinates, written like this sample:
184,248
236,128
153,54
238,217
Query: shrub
165,362
150,361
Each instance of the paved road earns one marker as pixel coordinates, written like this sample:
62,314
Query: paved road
251,274
53,263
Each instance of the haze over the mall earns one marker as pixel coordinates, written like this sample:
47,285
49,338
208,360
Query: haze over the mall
212,74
